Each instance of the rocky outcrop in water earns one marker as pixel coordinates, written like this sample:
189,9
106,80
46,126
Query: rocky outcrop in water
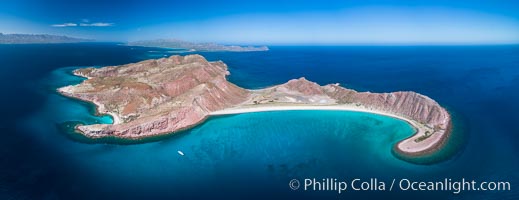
162,96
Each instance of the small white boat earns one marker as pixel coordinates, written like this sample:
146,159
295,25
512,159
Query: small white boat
181,153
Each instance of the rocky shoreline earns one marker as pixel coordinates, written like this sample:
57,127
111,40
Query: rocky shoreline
164,96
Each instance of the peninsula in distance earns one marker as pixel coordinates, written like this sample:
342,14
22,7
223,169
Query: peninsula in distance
38,39
191,46
161,43
163,96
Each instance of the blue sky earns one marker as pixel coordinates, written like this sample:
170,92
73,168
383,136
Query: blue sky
270,22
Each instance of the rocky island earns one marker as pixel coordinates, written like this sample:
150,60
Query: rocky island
163,96
191,46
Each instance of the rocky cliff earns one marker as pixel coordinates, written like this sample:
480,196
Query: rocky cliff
155,96
407,104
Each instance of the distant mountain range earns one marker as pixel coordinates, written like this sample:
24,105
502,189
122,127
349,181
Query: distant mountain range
38,38
179,44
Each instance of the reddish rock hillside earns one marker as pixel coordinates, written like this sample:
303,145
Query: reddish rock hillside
166,95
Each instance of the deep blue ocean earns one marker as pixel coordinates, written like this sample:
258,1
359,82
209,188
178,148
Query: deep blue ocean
254,156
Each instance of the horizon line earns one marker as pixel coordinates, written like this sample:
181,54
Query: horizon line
501,43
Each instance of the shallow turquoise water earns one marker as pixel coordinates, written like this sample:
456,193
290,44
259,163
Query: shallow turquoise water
265,146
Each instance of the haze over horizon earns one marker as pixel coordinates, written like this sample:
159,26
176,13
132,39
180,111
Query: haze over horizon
270,22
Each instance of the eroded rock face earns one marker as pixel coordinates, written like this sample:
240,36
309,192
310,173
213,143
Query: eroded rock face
408,104
155,96
166,95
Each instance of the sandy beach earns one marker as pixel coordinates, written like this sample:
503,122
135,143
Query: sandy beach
407,146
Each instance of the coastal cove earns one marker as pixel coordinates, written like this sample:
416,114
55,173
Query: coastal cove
436,152
163,96
261,151
442,153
